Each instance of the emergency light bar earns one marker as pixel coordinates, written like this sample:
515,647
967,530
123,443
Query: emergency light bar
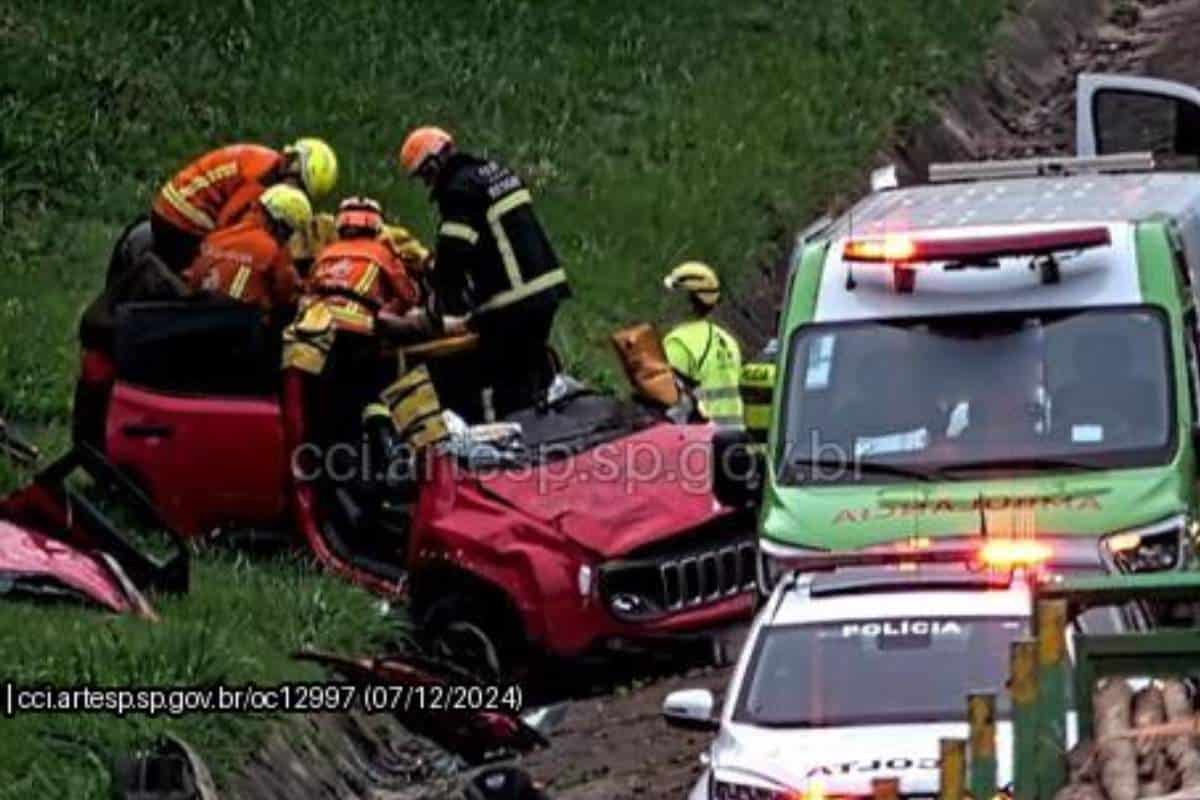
1040,167
994,552
906,249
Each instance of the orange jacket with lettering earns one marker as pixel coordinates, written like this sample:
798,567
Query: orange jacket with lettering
358,278
245,262
216,190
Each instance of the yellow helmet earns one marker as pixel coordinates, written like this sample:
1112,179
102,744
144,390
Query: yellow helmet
317,165
288,205
697,279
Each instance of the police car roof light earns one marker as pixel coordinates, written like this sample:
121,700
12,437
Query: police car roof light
907,249
994,552
883,556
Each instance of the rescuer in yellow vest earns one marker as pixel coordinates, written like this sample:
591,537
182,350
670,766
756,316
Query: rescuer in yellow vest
704,354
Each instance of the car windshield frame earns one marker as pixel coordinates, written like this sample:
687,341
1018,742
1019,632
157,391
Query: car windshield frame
742,714
790,465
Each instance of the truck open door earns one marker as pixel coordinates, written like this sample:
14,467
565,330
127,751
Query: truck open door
1123,114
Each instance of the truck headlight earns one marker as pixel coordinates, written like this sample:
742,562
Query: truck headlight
1151,548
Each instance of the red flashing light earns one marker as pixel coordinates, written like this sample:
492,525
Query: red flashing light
902,249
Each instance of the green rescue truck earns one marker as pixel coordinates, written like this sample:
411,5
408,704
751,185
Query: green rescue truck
1011,345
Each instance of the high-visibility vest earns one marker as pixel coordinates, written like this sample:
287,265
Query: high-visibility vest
711,359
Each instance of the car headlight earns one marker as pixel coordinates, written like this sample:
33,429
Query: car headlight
727,790
1152,548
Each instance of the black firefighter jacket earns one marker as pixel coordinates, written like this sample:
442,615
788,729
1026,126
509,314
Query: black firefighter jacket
493,256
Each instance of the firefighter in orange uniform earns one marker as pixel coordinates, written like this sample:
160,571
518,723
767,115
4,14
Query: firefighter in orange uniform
218,189
360,274
357,292
250,262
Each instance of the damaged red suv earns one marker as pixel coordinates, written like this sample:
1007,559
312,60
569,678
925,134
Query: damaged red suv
607,536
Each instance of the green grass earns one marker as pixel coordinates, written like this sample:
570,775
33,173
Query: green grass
650,132
239,625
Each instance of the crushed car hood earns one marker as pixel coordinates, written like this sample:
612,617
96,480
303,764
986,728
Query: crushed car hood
38,565
621,495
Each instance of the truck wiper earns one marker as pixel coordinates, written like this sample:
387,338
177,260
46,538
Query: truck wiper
845,468
1032,462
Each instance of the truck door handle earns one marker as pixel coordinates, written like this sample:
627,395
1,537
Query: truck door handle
147,431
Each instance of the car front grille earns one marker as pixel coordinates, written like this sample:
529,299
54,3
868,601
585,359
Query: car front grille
637,589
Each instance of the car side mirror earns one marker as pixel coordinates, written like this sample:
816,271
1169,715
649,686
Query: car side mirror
737,467
691,709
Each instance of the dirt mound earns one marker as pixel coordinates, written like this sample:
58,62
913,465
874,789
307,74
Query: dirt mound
618,747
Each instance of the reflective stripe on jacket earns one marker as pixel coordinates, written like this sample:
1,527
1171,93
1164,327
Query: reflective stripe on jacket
245,263
217,189
711,359
357,278
492,252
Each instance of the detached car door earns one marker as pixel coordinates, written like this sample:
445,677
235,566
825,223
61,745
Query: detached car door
1125,114
195,416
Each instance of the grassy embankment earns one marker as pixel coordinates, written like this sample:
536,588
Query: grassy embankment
649,131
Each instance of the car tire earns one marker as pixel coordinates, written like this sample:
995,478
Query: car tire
472,634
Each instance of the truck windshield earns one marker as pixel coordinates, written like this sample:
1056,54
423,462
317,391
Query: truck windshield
876,671
969,396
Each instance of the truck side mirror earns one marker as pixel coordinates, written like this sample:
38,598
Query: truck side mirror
738,468
691,709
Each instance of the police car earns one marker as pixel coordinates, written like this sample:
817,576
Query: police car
859,663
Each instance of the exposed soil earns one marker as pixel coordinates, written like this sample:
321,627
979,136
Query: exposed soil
616,747
1022,105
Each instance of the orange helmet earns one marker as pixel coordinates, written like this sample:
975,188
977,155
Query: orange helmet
360,214
421,145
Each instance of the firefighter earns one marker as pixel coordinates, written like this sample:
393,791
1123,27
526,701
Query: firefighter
217,189
360,274
493,262
250,262
705,355
306,245
358,290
